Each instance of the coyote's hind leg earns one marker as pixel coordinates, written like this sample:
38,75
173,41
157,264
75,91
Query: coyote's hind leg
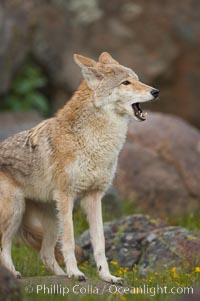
50,237
12,207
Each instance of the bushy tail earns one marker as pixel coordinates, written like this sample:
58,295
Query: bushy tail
31,230
33,239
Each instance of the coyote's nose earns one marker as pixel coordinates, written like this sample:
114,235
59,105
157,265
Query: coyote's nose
155,92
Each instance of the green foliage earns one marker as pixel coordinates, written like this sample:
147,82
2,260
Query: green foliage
24,259
81,223
29,264
190,221
25,94
155,284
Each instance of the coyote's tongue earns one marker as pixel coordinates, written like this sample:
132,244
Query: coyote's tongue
138,111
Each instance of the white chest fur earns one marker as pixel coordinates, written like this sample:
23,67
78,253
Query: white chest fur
97,156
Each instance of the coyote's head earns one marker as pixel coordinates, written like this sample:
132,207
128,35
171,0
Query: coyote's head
115,87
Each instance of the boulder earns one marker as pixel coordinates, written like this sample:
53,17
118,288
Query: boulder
159,166
169,246
195,296
150,243
9,286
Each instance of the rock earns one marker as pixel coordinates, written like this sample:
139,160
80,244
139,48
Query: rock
123,238
195,296
9,287
159,166
62,285
163,49
170,246
11,123
147,242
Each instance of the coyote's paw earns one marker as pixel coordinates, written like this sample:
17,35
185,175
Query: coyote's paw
78,276
82,278
111,279
17,275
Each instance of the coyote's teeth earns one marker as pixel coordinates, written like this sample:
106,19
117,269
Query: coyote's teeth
138,112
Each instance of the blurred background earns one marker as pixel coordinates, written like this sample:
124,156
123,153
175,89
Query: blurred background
159,167
160,40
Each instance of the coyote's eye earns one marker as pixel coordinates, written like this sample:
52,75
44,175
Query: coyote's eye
126,82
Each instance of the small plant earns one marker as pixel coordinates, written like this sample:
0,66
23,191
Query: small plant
25,94
190,221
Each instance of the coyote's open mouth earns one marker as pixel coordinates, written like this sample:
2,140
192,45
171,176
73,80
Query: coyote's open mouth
138,111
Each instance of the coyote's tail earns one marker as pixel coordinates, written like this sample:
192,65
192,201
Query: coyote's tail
31,230
32,238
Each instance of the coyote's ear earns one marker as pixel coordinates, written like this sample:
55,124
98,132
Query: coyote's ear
89,70
106,58
83,61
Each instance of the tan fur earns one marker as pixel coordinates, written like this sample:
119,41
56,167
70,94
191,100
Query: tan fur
33,226
71,155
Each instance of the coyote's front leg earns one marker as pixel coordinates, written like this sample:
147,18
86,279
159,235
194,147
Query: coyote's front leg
93,209
65,207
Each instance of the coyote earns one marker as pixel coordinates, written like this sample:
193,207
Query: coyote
72,155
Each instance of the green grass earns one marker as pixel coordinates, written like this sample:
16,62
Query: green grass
177,278
29,264
191,222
